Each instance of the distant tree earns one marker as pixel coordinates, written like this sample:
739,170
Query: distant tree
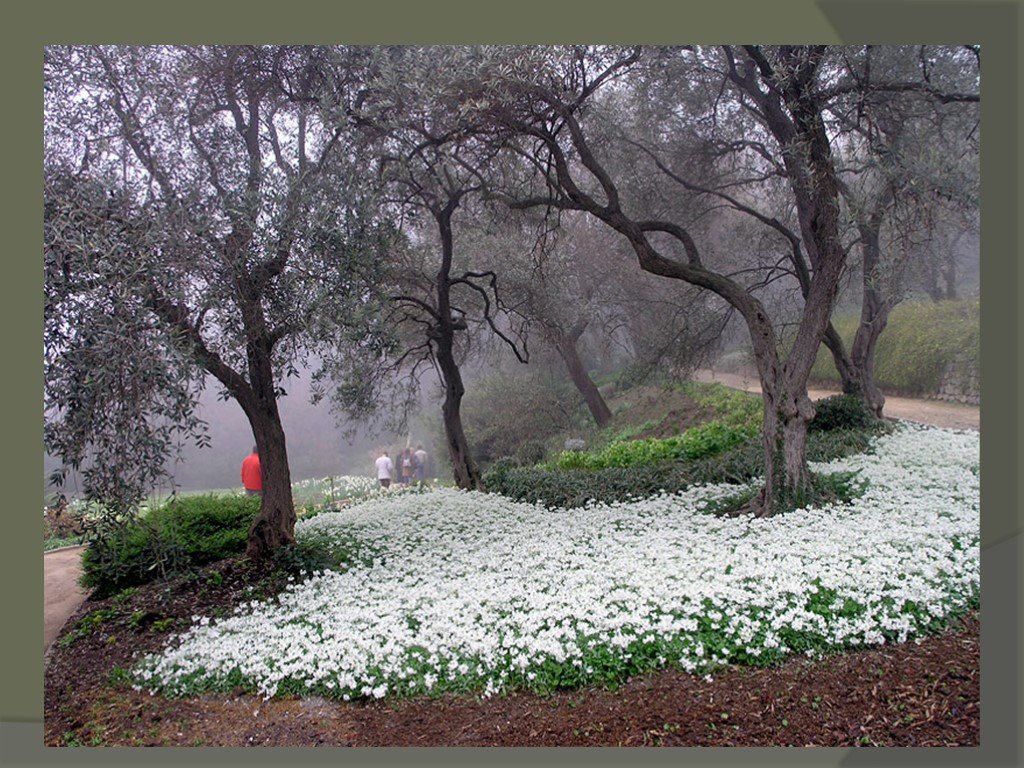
910,170
433,167
205,215
563,286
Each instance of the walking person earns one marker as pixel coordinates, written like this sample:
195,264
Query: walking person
252,476
407,466
384,469
420,463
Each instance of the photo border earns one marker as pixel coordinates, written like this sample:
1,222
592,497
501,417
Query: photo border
995,25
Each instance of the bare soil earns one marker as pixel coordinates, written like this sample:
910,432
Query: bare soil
913,694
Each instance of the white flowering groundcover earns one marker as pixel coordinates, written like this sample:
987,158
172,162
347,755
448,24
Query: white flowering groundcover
343,489
463,591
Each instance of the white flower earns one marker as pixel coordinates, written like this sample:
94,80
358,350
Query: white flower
450,583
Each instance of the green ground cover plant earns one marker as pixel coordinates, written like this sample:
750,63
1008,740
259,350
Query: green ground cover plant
731,406
737,417
695,443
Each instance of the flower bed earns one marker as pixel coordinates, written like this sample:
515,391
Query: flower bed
466,591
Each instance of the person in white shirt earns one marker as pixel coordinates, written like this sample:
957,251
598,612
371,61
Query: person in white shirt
384,469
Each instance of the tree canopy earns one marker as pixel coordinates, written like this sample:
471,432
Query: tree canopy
232,214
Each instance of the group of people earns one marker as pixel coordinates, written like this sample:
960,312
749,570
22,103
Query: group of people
411,467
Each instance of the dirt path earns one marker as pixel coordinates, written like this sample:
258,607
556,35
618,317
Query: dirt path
61,593
934,412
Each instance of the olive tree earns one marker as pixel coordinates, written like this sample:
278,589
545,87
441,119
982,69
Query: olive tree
206,218
433,169
556,116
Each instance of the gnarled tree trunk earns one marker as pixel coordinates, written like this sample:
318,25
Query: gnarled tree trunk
566,346
274,526
857,369
463,467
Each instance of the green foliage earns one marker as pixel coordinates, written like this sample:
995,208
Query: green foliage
178,536
318,553
163,625
920,341
630,431
505,414
731,406
531,452
727,504
86,625
822,490
50,544
742,463
827,445
840,412
64,524
695,443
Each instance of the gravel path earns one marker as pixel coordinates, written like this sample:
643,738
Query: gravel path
934,412
61,593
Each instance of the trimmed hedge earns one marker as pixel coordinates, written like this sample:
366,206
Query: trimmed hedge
185,533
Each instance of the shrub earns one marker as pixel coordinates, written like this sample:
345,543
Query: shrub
313,552
184,533
920,342
840,412
742,463
531,452
695,443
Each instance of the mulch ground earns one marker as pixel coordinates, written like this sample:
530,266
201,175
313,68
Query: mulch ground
913,694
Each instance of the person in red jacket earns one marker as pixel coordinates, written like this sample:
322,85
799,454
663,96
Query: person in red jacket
252,478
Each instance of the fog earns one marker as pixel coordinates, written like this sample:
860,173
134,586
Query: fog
317,446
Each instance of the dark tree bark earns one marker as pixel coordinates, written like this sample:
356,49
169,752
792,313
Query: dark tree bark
443,333
466,473
257,396
565,344
874,315
275,525
856,367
